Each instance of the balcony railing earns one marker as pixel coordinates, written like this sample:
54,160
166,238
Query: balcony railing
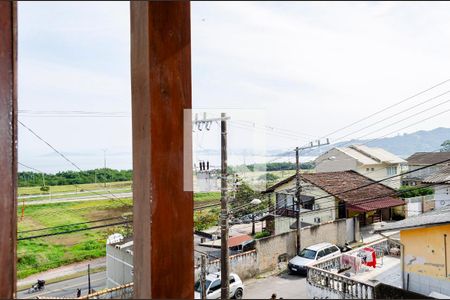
323,274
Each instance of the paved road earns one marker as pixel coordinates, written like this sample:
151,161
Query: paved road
104,196
63,271
69,287
284,285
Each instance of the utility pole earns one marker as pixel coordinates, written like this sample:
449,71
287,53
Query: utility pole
104,158
298,189
203,275
224,257
89,279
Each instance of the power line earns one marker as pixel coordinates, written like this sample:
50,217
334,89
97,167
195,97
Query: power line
387,108
68,225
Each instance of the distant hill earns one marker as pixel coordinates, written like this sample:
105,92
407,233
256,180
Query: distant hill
402,145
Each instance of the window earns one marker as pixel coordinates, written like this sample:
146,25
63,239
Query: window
372,169
392,171
321,254
367,169
307,253
214,286
328,250
232,280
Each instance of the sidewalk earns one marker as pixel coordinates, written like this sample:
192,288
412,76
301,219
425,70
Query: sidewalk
63,271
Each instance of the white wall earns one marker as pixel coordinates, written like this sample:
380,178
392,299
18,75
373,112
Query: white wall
442,195
340,162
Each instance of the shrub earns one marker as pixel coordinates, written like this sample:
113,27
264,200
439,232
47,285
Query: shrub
262,234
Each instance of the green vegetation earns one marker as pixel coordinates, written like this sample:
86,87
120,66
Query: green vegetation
241,203
262,234
74,177
411,191
270,177
40,254
206,196
445,146
205,219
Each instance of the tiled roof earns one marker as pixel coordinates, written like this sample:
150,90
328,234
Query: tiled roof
238,240
336,183
374,205
428,158
442,176
435,217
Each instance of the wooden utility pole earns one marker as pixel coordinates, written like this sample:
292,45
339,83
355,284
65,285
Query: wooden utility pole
89,279
203,275
298,189
224,257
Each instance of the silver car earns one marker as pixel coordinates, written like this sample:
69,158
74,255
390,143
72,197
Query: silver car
311,254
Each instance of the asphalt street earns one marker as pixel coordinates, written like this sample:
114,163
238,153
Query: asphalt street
284,286
68,288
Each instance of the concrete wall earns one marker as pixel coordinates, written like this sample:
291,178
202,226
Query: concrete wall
271,248
119,267
244,264
425,259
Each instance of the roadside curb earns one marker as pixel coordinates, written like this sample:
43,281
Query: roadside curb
25,287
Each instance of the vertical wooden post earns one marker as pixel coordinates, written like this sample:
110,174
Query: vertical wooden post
8,148
161,91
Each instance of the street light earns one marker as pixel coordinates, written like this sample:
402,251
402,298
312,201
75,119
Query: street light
224,265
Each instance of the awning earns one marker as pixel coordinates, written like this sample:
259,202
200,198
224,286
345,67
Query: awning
375,204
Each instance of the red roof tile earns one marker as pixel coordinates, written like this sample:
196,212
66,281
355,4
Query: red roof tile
367,192
238,240
376,204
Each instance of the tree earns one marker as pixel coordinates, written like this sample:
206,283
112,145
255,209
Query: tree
241,203
268,177
445,146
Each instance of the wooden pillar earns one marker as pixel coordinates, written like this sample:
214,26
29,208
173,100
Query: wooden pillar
163,209
8,148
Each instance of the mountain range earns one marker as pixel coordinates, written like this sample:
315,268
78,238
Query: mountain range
402,145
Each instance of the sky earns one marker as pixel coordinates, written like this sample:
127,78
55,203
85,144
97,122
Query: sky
286,73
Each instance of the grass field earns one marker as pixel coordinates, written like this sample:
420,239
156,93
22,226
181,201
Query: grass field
45,253
40,254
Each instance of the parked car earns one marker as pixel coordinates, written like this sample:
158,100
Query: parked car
213,283
311,254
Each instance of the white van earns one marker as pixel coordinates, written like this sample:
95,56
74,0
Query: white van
310,255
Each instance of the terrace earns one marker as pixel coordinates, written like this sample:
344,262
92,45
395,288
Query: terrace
333,278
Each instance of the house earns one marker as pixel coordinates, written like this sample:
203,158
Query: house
375,163
441,185
423,159
326,197
426,250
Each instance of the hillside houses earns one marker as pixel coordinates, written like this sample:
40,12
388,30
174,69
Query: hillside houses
375,163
